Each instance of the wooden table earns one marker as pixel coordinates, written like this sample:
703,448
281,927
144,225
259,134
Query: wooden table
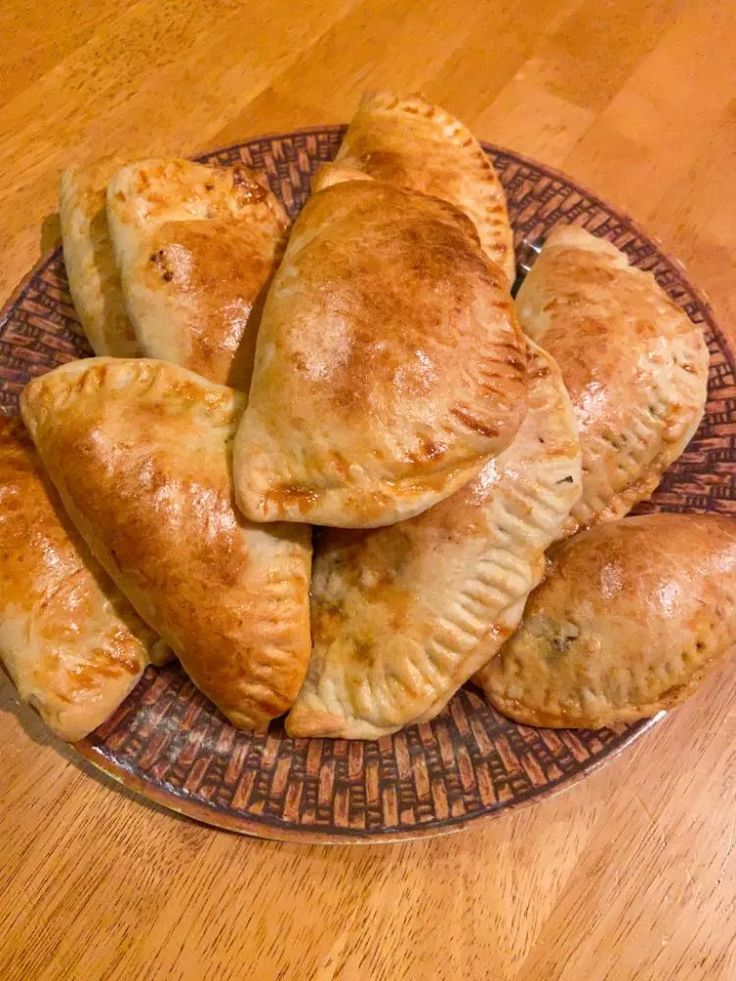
632,874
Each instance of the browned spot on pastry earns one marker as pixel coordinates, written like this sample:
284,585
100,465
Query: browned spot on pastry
221,266
340,463
516,363
160,261
541,372
292,494
472,422
251,190
426,450
364,651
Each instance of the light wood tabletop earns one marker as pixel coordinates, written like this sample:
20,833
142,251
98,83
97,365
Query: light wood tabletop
629,875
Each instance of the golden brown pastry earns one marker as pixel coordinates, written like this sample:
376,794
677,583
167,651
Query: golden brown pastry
628,622
140,452
389,365
402,616
196,247
69,640
636,367
417,145
94,281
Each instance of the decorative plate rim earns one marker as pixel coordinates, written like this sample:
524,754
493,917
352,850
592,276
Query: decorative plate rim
272,830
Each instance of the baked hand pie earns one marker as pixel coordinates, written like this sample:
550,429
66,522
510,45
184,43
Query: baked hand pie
140,452
389,366
94,281
70,641
635,365
628,622
402,616
417,145
196,247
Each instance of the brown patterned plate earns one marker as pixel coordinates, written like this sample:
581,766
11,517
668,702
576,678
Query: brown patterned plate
170,744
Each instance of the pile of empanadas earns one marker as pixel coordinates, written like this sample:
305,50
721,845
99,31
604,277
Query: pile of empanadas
468,460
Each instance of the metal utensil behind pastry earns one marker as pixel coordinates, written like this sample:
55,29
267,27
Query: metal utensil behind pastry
526,255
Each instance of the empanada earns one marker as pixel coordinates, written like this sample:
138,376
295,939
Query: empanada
69,639
196,246
402,616
628,621
636,367
389,365
140,452
417,145
94,281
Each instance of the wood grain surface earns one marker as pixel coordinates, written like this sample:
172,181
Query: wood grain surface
630,875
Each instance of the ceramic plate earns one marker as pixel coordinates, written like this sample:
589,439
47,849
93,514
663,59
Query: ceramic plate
170,744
